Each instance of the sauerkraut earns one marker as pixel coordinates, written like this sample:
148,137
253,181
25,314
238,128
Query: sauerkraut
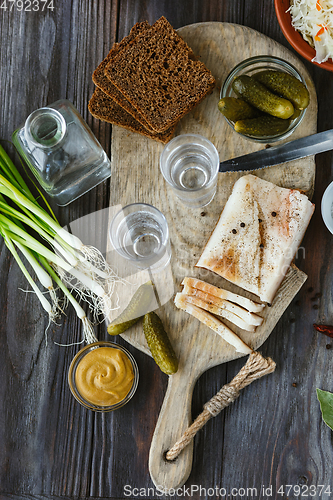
314,20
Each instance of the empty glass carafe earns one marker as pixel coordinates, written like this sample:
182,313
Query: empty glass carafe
62,152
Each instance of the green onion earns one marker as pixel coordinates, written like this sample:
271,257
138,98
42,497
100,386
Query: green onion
12,174
87,327
41,274
58,257
46,305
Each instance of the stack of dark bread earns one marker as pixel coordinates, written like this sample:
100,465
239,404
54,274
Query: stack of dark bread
149,81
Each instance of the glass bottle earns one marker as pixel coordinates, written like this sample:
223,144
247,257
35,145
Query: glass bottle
62,152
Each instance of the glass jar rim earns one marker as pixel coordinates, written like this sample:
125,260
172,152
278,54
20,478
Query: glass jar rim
280,64
45,127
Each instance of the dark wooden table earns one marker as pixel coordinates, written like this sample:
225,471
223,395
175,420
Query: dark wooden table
50,446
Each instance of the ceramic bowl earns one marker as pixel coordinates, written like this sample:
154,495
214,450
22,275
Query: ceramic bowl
327,207
254,65
294,37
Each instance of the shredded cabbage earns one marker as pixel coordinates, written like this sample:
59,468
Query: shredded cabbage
314,20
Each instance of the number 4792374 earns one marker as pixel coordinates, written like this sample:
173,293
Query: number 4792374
304,490
27,5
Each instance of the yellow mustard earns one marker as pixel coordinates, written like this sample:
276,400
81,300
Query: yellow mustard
104,376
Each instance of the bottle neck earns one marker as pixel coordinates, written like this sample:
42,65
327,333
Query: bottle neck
45,128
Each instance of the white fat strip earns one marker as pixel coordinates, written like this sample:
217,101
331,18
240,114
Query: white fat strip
224,313
222,304
248,304
257,256
213,323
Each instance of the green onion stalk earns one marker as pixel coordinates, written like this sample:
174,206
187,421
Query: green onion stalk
57,256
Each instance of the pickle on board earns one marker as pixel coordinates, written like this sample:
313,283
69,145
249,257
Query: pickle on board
159,343
139,304
234,109
256,94
286,85
265,125
122,327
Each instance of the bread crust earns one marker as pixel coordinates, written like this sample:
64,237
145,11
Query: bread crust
102,82
159,75
104,108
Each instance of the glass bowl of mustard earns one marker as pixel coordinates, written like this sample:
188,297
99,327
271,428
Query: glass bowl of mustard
103,376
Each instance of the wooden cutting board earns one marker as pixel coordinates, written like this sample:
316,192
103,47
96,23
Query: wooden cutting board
136,178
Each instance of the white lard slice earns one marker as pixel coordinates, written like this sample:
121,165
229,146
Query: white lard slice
257,235
212,322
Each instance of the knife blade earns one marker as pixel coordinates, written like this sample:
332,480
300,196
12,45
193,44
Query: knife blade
300,148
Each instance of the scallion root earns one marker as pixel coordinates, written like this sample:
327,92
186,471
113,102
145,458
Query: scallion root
55,254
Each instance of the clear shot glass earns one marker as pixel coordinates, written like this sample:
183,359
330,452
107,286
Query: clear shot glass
139,232
190,164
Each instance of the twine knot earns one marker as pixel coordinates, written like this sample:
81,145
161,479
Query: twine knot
256,367
227,395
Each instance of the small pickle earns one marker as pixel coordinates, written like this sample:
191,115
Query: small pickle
139,304
236,109
263,126
159,343
256,94
286,85
122,327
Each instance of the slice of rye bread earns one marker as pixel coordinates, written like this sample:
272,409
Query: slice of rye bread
159,75
104,108
101,81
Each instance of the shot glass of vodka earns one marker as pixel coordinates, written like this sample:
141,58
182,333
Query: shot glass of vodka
139,233
190,164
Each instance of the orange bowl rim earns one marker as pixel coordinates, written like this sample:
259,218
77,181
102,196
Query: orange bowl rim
294,37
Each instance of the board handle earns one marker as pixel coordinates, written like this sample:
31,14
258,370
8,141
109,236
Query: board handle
174,418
